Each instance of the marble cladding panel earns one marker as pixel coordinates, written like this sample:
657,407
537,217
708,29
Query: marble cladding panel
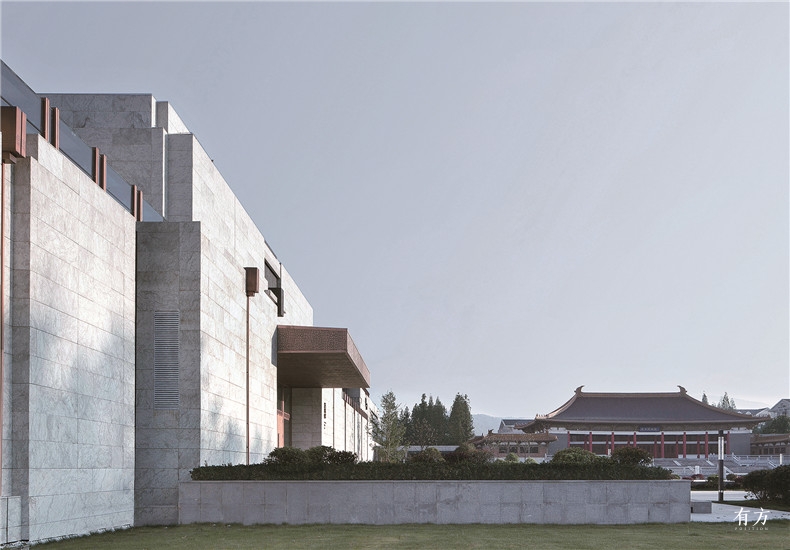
167,118
79,516
179,184
165,438
77,410
7,336
306,417
10,519
105,110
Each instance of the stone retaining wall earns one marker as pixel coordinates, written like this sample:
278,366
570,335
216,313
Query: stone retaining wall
397,502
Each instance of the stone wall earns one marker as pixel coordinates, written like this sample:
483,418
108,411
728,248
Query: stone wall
168,440
73,336
444,502
10,519
307,417
194,264
126,128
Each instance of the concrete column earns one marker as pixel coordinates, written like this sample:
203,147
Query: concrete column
707,451
684,445
662,444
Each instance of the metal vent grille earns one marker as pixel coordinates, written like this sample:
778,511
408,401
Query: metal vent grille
166,355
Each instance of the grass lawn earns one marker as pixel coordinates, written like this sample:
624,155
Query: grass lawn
697,536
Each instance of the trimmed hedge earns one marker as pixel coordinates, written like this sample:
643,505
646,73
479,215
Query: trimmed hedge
603,470
326,463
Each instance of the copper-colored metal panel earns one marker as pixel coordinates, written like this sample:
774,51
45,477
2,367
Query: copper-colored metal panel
139,206
316,357
252,280
54,138
13,128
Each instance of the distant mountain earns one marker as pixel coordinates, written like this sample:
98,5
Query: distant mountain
483,423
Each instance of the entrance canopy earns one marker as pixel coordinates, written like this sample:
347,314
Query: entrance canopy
317,357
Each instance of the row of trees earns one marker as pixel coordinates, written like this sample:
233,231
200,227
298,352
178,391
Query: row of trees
726,402
779,425
428,423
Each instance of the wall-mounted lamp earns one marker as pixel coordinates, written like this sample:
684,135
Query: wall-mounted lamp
253,281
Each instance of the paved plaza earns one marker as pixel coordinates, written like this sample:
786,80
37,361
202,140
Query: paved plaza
728,512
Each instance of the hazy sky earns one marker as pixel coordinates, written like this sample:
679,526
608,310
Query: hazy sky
504,200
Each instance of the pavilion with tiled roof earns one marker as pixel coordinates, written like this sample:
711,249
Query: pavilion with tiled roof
770,444
524,445
667,425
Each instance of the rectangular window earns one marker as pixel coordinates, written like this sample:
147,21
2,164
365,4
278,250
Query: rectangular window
274,288
166,359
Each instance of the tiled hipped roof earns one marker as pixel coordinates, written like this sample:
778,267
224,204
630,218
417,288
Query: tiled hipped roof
638,412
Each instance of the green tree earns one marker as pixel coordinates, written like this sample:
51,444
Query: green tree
389,432
440,422
424,433
408,426
429,423
726,403
460,423
778,425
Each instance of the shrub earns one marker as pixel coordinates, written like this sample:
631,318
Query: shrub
467,454
779,484
756,483
328,455
341,457
736,481
575,456
288,456
632,455
319,454
511,457
431,455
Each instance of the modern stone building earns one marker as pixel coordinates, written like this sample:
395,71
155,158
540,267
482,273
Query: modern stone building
147,326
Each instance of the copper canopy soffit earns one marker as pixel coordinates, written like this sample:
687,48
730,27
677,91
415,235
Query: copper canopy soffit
317,357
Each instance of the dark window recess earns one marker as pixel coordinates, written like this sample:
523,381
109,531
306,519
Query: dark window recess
274,289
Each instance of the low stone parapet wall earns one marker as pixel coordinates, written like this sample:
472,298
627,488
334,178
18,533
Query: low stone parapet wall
449,502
